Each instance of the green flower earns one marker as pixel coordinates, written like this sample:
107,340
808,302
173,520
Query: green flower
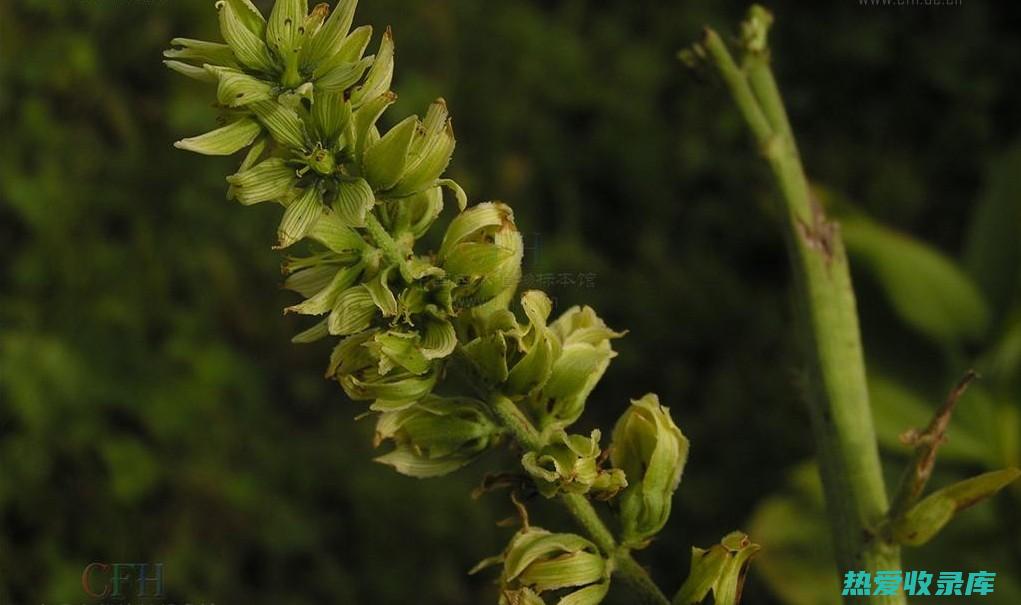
437,435
652,452
570,464
265,58
537,562
583,354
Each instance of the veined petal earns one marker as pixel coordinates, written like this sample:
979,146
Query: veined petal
328,39
191,71
325,299
353,312
438,339
405,461
247,44
475,259
365,118
249,16
343,76
267,181
282,123
308,282
430,155
331,114
403,350
316,332
385,161
299,217
463,226
201,52
237,89
379,289
354,200
333,233
285,28
381,73
223,141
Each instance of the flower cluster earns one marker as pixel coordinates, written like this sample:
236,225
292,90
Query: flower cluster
427,336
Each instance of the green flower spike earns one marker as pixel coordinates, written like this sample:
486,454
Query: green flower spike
570,464
652,452
263,59
437,435
538,562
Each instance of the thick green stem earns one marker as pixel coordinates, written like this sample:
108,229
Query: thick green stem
837,390
635,576
384,241
526,435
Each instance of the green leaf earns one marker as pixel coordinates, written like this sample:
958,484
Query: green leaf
299,217
380,74
237,89
269,180
897,408
927,290
354,200
223,141
385,161
201,52
283,123
926,518
791,526
992,251
327,41
246,43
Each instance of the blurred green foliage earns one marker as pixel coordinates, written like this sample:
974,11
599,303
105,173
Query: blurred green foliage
152,408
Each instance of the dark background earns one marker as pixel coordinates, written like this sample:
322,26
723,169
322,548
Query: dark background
153,409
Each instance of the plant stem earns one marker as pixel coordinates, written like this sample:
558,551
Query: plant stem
384,241
838,395
635,576
526,435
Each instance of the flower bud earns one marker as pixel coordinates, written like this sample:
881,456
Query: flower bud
721,568
537,562
584,355
482,252
570,464
366,372
437,435
652,452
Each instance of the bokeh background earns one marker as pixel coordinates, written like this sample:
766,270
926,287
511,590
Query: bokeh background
153,409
